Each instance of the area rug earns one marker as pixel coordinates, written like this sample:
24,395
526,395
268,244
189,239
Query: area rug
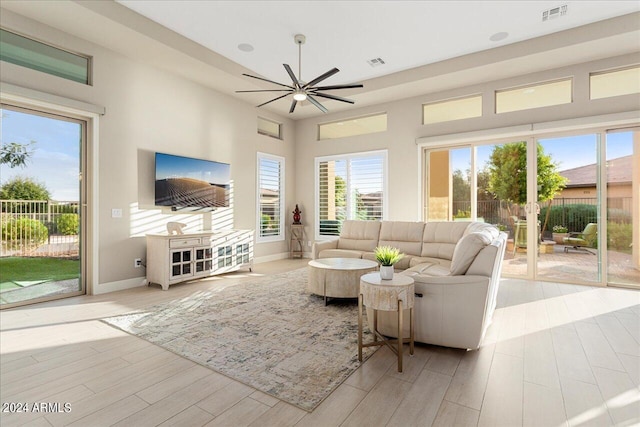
269,333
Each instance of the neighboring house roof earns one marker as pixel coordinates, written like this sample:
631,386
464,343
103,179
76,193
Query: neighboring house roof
618,172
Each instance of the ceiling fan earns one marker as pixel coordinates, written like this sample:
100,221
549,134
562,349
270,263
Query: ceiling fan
300,90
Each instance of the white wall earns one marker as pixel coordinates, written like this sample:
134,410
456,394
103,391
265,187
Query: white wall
404,123
149,110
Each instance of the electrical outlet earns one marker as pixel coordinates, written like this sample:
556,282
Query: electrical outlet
137,263
309,243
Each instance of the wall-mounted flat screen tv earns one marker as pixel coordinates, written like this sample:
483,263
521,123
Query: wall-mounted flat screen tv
185,182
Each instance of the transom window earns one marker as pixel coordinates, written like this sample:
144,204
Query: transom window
452,109
615,83
534,96
352,186
269,128
353,127
39,56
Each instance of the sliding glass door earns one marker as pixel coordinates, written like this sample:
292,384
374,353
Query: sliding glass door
623,207
41,199
570,217
569,209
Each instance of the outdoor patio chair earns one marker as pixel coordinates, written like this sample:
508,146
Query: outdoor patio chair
581,241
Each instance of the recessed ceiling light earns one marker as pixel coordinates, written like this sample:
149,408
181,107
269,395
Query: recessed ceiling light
245,47
499,36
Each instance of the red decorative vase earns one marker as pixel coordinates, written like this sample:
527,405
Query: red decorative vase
296,215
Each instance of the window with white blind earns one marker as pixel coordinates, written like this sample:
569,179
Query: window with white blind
352,186
270,201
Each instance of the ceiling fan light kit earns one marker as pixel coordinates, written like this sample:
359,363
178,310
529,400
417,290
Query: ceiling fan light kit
300,90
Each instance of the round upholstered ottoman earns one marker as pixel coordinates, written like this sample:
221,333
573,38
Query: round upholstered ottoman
338,277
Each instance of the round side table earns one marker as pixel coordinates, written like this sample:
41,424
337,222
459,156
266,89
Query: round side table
397,294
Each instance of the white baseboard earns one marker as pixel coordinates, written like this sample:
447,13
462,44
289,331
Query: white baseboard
119,285
276,257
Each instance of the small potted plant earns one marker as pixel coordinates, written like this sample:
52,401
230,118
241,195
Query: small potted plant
559,232
387,256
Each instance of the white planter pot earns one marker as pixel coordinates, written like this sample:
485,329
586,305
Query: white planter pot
386,272
559,237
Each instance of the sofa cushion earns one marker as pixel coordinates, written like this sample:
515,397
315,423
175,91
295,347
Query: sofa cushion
417,260
406,236
359,235
427,269
466,250
340,253
440,238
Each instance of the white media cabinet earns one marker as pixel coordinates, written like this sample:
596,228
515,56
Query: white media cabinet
176,258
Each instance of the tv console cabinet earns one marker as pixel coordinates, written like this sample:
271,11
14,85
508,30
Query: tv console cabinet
174,258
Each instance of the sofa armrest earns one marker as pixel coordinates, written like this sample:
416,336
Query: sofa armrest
320,246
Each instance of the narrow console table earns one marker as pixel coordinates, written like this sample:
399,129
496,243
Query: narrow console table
176,258
296,242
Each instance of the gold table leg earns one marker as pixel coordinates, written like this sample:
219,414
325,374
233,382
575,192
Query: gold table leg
360,327
400,339
411,333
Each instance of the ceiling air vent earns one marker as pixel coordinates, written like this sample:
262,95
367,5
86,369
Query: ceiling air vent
554,13
376,62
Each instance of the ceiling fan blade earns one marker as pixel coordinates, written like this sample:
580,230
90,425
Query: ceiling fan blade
355,85
316,103
264,90
274,99
337,98
293,76
293,106
266,80
321,78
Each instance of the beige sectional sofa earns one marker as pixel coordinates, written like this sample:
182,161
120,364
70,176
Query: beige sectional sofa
456,267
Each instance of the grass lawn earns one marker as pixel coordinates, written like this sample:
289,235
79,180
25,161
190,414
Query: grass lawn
18,269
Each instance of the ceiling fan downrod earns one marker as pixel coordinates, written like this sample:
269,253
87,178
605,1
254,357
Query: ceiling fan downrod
299,39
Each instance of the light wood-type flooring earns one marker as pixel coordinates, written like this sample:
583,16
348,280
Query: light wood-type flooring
555,355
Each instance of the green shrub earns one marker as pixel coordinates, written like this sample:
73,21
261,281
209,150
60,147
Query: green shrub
462,214
24,231
265,222
65,208
574,216
619,215
619,236
24,188
68,224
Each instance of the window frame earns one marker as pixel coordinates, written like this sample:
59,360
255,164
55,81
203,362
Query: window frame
352,119
348,157
449,100
606,72
534,85
88,58
281,232
265,133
